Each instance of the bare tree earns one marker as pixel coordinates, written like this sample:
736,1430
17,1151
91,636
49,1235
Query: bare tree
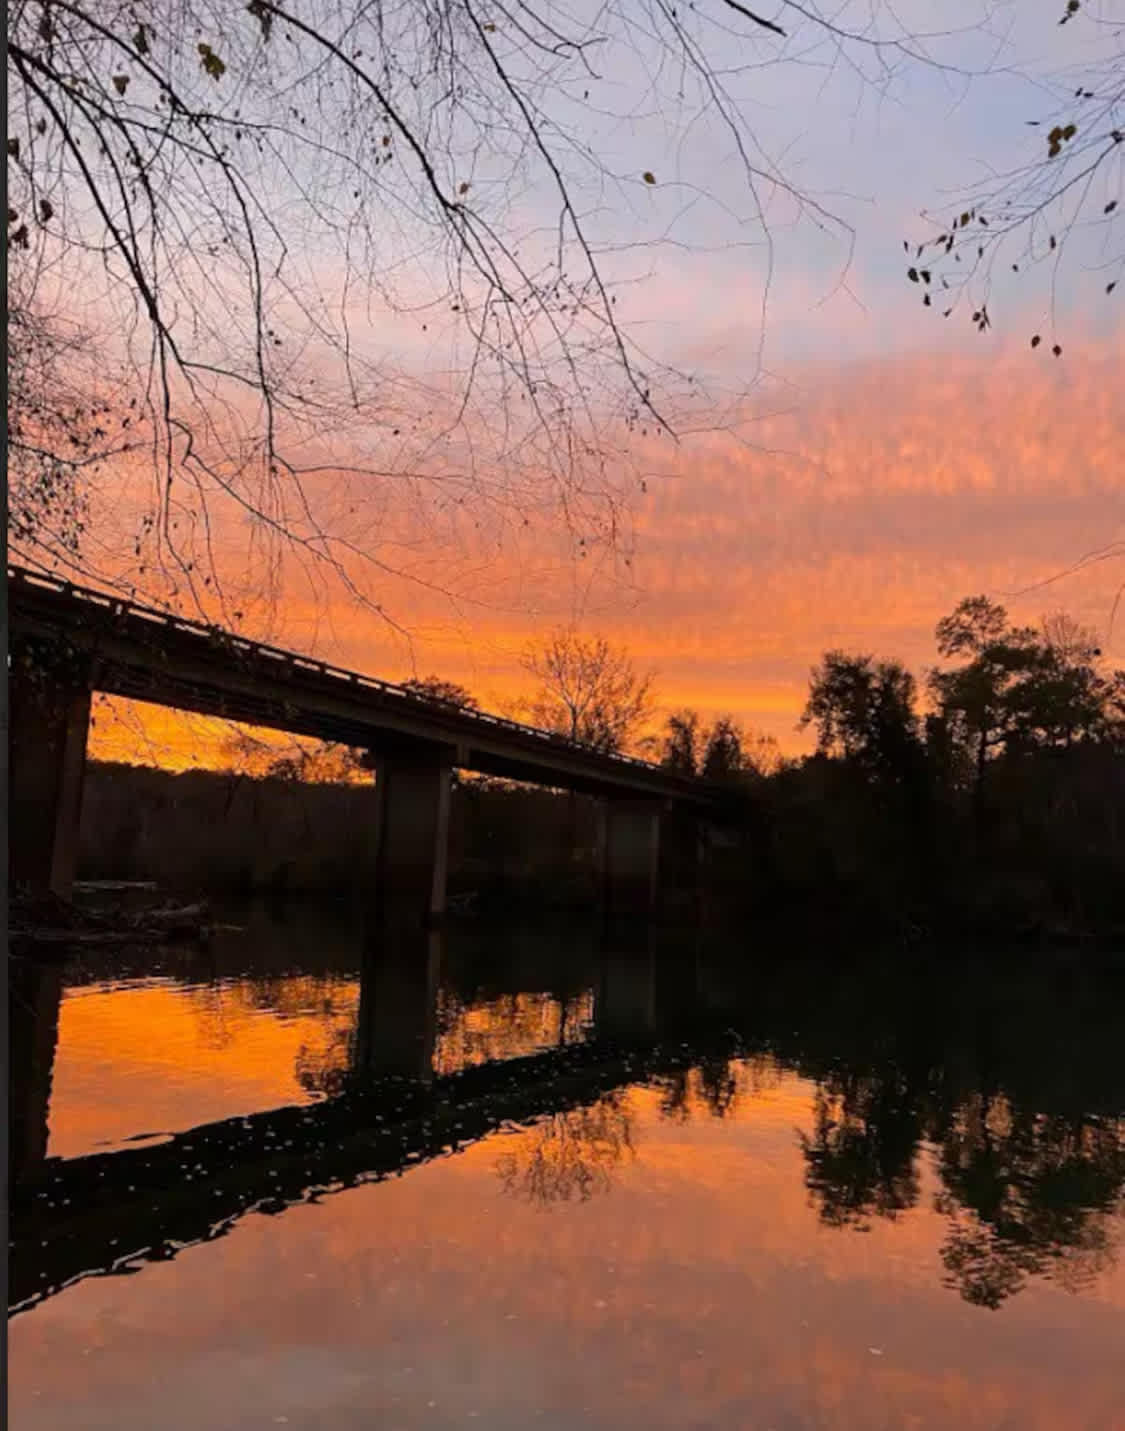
1067,188
589,690
230,228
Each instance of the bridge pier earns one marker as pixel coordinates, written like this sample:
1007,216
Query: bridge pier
648,984
49,696
35,997
412,792
630,855
396,1028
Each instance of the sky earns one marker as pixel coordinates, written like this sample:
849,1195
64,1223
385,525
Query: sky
847,464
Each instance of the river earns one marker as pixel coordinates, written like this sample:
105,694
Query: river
553,1177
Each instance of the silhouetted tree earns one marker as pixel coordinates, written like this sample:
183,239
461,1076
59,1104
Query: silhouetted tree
864,711
1019,688
723,756
589,690
682,738
974,698
436,688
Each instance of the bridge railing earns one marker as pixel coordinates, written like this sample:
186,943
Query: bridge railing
118,606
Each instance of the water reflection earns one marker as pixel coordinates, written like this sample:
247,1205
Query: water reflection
994,1102
570,1155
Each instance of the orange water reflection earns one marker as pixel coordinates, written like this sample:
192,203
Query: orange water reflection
892,1201
157,1056
687,1281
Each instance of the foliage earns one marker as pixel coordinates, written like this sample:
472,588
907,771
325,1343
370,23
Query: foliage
864,711
725,751
436,688
1018,688
1068,187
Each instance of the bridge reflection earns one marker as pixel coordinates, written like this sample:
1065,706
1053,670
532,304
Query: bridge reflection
1021,1117
398,1102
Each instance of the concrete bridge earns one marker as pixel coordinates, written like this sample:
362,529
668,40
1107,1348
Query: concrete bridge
65,642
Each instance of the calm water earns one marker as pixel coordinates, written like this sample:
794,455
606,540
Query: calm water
551,1180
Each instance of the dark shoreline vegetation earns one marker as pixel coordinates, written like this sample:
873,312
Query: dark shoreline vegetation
1000,812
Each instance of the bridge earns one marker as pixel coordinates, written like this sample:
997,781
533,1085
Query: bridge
67,641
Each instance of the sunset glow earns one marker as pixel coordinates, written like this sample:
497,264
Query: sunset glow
886,492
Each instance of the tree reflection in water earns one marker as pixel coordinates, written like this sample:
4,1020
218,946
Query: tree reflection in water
568,1157
996,1093
1025,1193
861,1159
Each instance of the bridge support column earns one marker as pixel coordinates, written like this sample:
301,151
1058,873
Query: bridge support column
35,996
48,721
631,855
648,982
396,1030
412,791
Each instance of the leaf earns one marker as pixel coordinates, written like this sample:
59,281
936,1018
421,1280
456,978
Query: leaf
1109,208
648,177
463,188
912,274
46,211
211,62
1108,288
13,149
121,83
140,40
1056,350
1036,341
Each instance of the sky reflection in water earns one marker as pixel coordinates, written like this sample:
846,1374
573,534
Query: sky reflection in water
842,1199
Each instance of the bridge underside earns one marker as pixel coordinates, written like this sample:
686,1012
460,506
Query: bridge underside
62,649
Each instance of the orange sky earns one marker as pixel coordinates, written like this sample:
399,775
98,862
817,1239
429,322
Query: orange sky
857,516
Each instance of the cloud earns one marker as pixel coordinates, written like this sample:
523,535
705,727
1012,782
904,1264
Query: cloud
886,492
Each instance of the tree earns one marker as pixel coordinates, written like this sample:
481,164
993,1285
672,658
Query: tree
436,688
975,699
680,750
589,690
299,759
1067,188
721,752
195,171
864,711
723,756
1062,696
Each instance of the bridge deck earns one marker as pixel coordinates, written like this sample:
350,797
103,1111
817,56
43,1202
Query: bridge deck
149,655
